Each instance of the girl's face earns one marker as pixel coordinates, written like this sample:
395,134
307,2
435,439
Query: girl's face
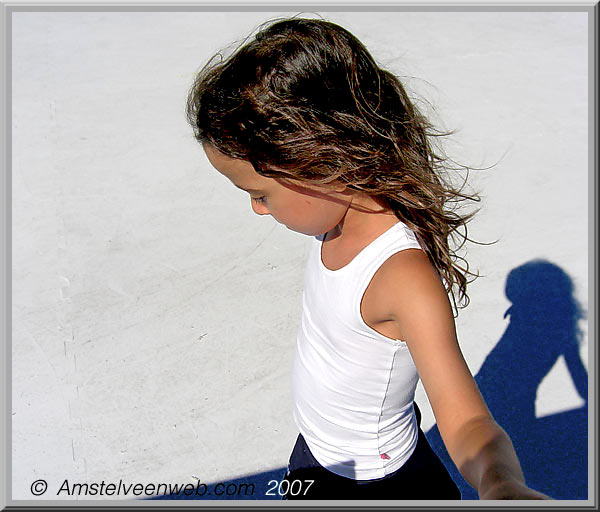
309,209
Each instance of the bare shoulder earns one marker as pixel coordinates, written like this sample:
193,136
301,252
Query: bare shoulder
405,282
406,267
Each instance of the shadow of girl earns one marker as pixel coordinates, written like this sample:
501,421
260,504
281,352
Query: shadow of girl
543,326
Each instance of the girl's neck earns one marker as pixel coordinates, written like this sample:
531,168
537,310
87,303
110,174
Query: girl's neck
367,218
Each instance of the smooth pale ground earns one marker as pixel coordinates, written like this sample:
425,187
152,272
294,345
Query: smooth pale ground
154,316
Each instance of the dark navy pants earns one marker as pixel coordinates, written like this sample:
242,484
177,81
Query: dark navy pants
422,477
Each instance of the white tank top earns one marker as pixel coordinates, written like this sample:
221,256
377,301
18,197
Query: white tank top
353,388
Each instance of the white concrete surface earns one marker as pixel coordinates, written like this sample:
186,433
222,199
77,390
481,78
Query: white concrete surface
154,316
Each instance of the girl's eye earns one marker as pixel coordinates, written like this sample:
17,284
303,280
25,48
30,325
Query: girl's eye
260,200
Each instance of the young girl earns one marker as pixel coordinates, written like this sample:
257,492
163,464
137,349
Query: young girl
329,144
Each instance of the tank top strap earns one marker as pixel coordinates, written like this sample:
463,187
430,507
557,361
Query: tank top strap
398,238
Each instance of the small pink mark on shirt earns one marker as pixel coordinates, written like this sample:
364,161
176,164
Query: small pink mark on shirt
385,456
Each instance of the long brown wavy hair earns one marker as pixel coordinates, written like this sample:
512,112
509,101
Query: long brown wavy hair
303,99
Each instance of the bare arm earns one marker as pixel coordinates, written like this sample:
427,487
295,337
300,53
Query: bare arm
417,302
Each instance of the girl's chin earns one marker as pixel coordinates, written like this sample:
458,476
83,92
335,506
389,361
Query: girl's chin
304,231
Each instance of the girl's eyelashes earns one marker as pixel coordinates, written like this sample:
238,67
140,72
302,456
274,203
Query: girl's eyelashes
260,200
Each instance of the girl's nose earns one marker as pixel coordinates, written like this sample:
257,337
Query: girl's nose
259,209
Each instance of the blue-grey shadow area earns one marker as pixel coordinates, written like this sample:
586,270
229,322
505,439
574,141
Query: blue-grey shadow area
553,450
257,486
